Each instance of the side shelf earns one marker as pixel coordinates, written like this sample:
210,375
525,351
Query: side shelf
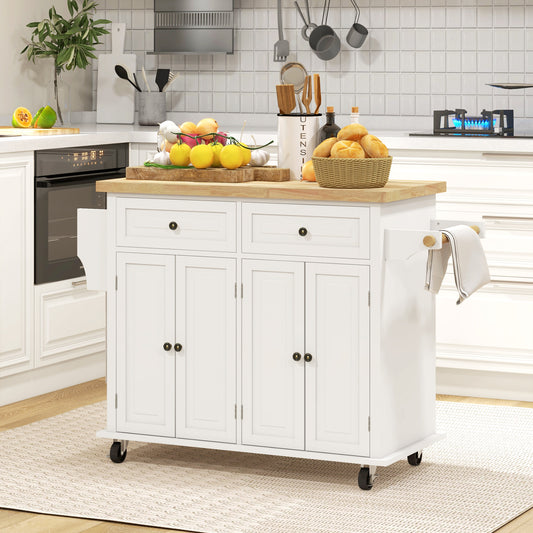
92,233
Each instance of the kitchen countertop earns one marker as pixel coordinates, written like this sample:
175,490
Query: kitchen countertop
397,141
286,190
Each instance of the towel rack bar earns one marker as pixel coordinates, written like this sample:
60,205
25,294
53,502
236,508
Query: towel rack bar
429,240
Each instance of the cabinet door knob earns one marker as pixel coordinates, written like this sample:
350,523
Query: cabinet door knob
173,225
296,356
178,347
302,232
308,357
167,346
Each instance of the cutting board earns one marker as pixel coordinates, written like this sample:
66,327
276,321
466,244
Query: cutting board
219,175
115,97
15,132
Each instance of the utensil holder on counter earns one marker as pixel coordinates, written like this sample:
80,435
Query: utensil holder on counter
297,138
152,108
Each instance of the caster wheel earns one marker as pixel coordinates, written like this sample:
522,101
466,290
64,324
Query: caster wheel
115,455
415,458
364,478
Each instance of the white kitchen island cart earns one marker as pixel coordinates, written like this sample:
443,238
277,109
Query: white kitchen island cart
272,318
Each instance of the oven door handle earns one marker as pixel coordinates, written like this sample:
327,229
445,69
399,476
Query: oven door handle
74,179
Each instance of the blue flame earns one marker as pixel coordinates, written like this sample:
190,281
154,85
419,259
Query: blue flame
474,123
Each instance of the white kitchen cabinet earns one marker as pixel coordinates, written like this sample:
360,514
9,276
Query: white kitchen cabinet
273,323
282,350
306,356
487,334
145,394
69,321
176,346
16,263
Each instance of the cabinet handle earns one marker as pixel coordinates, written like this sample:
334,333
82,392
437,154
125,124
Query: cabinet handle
296,356
308,357
302,232
167,346
173,225
178,347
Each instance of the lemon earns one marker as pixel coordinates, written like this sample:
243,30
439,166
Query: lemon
180,154
246,154
202,156
231,156
216,147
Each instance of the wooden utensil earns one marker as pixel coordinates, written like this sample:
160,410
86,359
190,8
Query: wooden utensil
318,94
286,98
307,95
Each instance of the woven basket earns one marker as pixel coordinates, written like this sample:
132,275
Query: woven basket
344,173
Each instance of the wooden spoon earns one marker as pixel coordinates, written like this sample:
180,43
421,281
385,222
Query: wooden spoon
318,94
286,98
307,95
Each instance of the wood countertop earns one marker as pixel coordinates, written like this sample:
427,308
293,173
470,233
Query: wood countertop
393,191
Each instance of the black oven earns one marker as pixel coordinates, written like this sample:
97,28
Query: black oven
65,181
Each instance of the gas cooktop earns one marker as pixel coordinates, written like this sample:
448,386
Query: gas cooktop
498,123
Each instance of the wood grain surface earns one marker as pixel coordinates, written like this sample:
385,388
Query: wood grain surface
14,132
286,190
216,175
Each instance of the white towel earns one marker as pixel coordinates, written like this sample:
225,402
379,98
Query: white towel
470,267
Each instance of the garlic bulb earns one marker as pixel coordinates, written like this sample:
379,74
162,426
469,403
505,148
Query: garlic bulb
161,158
259,158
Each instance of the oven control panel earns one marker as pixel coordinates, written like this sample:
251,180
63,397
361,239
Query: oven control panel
64,161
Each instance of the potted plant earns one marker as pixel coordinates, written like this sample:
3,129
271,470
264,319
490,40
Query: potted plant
70,42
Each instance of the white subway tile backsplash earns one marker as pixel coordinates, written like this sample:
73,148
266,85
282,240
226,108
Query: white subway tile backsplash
420,55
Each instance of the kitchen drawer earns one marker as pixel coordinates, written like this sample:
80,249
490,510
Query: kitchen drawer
70,321
319,231
208,226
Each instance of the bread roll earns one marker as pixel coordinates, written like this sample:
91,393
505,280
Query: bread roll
352,132
349,149
373,146
324,148
308,171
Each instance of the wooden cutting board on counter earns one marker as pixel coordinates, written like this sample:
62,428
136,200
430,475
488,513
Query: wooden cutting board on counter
15,132
218,175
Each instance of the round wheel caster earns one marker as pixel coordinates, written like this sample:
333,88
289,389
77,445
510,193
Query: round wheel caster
364,478
415,458
115,455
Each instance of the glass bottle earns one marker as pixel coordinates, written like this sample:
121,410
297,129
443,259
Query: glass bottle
329,129
354,115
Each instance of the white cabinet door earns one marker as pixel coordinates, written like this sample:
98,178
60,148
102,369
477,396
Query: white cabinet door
16,263
273,330
145,322
337,377
69,321
206,343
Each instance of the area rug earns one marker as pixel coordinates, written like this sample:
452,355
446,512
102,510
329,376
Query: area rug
476,480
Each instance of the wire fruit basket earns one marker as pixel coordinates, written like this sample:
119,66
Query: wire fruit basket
346,173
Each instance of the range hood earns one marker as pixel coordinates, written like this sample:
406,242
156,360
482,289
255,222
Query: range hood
193,26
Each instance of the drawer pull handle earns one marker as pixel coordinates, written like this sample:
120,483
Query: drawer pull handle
178,347
308,357
167,346
296,356
302,232
173,225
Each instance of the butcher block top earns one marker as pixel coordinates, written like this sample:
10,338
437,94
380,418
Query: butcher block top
285,190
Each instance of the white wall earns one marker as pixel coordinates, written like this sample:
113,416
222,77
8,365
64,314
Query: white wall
27,84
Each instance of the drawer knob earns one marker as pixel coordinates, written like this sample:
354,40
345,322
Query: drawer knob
308,357
296,356
167,346
178,347
302,232
173,225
